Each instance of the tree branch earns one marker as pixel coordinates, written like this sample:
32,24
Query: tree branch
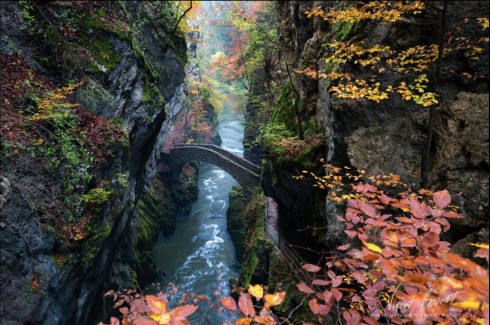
180,18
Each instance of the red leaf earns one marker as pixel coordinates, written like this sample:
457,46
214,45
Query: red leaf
343,247
483,253
328,297
229,303
304,288
321,282
337,281
385,199
359,277
376,223
430,239
245,304
352,203
355,298
367,209
318,309
337,294
452,215
419,210
442,199
351,233
340,219
311,268
183,311
124,310
405,220
114,321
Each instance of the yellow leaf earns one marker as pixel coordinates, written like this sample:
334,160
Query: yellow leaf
480,245
161,318
373,247
469,304
256,291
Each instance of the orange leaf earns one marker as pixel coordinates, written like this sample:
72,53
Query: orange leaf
156,305
244,320
245,304
229,303
275,299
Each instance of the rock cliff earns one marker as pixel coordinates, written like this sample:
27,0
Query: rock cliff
67,234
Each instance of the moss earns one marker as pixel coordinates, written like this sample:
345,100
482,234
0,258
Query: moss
236,223
101,50
248,269
257,245
283,111
345,30
152,96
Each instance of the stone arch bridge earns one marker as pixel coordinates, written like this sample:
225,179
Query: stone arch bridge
243,171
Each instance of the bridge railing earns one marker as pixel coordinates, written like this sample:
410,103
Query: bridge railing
240,160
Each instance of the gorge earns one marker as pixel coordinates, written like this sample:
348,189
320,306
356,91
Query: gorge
351,135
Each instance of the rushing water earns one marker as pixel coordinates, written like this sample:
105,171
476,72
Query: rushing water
199,257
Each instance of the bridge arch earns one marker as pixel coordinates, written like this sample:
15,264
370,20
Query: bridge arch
243,171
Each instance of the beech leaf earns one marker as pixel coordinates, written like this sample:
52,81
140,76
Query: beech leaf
373,247
244,320
275,299
311,268
257,291
337,281
442,199
367,209
245,304
183,311
343,247
144,321
318,309
321,282
303,287
351,233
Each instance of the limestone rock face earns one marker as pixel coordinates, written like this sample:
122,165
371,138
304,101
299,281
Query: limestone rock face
459,161
461,157
392,147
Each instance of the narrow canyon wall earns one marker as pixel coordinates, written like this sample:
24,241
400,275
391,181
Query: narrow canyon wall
131,64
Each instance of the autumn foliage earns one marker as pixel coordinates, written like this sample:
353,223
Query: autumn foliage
396,269
376,63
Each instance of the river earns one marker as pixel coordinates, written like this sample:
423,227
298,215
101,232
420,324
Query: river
200,257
